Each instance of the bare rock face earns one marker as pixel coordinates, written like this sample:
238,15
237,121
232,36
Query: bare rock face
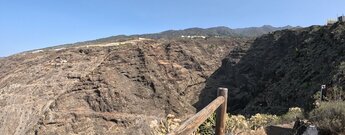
115,88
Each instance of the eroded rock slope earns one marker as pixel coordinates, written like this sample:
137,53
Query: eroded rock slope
114,88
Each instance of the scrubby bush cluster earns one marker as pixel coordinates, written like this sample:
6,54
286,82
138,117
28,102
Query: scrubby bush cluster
239,124
291,115
167,125
260,120
330,116
207,128
163,127
235,124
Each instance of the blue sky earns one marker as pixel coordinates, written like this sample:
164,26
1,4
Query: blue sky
32,24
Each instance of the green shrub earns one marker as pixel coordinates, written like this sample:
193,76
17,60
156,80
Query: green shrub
236,123
292,115
207,128
260,120
330,116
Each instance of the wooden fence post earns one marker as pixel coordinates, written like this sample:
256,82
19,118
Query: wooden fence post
221,112
190,125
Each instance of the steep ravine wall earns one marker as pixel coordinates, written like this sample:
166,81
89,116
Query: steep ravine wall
280,70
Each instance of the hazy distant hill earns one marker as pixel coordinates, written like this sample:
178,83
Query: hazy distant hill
258,31
218,31
221,31
250,32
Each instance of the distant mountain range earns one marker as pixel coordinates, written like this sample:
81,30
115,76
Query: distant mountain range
221,31
218,31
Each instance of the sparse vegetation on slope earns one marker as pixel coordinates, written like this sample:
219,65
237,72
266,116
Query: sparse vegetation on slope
239,124
330,117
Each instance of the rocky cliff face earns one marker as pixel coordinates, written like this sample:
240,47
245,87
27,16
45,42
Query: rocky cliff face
281,70
113,88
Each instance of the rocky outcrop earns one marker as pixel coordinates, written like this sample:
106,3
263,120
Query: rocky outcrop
281,70
112,88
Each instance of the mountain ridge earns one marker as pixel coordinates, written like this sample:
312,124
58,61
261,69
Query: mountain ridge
218,31
249,32
222,31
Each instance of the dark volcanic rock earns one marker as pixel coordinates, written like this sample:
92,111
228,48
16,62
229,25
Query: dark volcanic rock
281,70
112,88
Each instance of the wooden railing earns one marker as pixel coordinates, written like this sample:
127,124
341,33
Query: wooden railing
192,124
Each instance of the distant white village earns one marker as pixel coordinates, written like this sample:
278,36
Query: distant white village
191,37
197,37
